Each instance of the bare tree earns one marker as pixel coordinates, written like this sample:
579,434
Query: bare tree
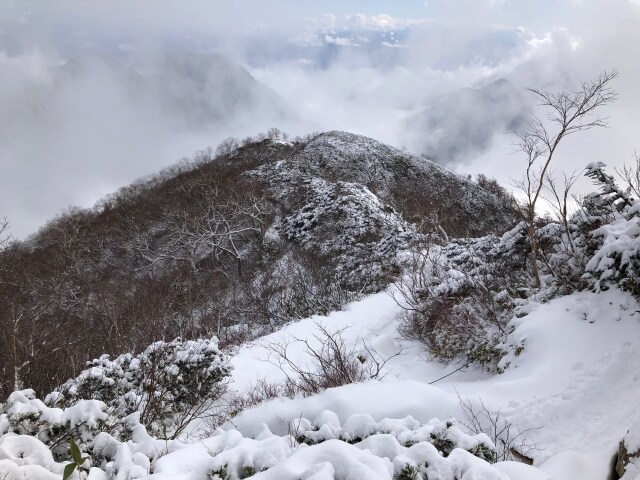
217,228
5,238
227,146
510,440
569,112
333,363
559,201
5,241
412,290
631,175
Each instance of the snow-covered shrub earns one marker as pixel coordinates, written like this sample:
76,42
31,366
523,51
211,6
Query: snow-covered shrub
458,299
617,260
293,284
27,415
595,246
348,224
35,441
610,198
360,448
169,384
363,430
614,249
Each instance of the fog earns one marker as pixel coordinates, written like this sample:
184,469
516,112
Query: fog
95,94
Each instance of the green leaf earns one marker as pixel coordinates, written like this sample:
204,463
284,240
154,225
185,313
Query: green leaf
68,471
75,452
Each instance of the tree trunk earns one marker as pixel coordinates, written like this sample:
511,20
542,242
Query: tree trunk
534,251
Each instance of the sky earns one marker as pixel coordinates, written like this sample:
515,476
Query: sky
95,94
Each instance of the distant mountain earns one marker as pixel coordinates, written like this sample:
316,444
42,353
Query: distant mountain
234,245
211,88
461,124
196,90
78,130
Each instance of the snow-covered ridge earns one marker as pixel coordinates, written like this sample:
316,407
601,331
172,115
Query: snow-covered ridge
363,159
379,182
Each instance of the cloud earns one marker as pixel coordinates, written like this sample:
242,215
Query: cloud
596,38
69,141
462,125
72,133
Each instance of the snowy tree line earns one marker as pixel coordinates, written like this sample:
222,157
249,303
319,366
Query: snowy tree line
459,297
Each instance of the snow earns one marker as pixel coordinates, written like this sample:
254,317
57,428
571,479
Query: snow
25,450
632,439
578,375
372,319
595,166
275,457
520,471
632,472
578,380
620,246
331,459
571,464
23,456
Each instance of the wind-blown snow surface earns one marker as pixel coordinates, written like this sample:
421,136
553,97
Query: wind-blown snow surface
578,378
577,382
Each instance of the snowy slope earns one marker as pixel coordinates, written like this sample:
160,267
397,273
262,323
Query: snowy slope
578,378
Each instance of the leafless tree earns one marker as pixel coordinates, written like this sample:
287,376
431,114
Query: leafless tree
227,146
333,362
412,290
569,112
5,238
511,441
5,241
631,175
274,133
559,201
216,229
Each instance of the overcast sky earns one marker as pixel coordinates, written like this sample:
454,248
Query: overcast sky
69,136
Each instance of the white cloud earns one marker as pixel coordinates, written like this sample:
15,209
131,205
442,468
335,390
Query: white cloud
340,41
76,153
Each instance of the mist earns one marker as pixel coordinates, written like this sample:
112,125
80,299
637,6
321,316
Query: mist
96,94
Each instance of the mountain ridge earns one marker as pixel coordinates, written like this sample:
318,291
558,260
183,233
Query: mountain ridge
274,228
